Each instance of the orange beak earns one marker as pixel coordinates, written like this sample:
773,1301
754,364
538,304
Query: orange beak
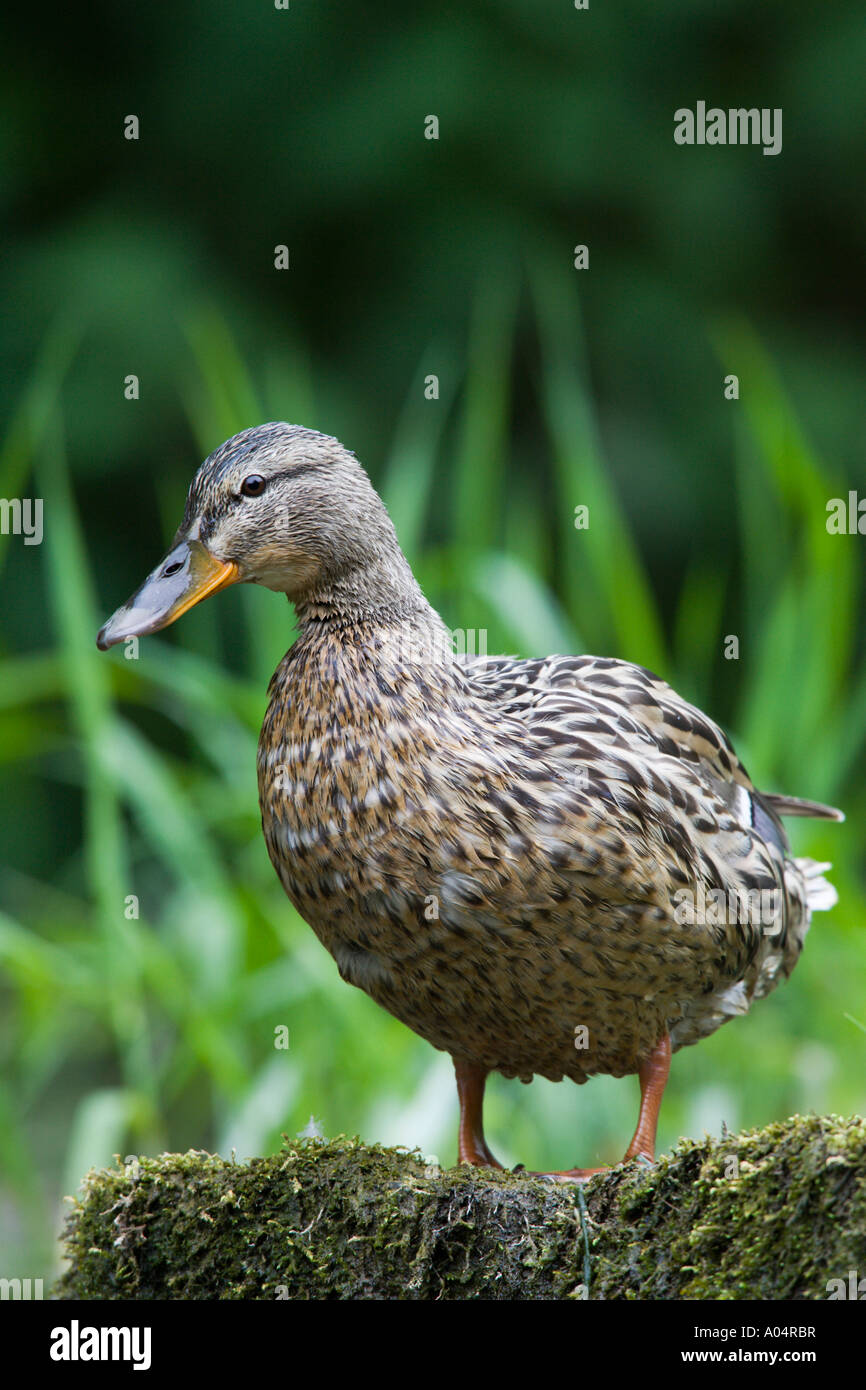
186,575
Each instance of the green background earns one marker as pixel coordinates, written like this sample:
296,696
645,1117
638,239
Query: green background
558,387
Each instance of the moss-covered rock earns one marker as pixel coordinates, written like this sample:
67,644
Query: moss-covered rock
770,1214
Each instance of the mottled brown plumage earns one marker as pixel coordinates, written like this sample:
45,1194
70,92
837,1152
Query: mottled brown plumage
502,853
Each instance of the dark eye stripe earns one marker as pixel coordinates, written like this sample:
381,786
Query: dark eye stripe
302,468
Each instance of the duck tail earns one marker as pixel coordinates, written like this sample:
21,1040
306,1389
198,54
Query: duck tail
797,806
820,893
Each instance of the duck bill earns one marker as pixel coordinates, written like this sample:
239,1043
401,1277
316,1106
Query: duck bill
186,575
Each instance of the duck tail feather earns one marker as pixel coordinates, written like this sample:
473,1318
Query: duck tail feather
798,806
820,893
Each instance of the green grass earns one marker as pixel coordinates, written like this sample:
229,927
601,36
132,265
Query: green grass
139,1032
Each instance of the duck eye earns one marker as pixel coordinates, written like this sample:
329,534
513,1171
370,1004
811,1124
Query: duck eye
253,486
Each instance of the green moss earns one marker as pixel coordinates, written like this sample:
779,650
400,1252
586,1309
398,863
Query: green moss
770,1214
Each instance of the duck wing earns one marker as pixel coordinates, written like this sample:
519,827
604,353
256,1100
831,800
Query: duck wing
687,809
619,703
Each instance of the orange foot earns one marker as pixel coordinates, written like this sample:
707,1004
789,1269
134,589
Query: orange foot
472,1146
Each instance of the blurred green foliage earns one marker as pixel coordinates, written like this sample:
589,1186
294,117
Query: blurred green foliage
558,387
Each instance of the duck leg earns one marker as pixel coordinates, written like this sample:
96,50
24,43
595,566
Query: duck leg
653,1075
471,1144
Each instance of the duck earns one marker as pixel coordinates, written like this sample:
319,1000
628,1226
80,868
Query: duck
551,866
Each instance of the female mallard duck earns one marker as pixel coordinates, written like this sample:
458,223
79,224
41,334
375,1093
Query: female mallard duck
554,866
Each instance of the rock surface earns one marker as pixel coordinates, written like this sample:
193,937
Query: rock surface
768,1214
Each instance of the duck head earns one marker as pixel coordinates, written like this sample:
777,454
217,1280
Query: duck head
281,506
